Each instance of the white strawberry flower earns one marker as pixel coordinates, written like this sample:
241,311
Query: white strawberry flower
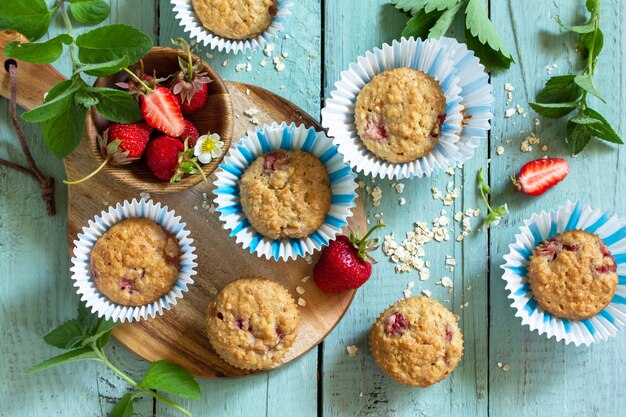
208,147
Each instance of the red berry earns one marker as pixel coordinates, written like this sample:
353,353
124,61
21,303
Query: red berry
161,111
344,264
162,156
536,177
189,85
195,103
133,137
190,133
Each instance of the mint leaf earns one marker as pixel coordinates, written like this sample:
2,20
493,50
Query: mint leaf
38,53
88,320
581,119
63,133
90,12
67,336
57,101
492,61
124,407
602,130
116,105
577,137
419,25
589,27
80,354
172,379
29,17
553,110
85,98
112,42
103,69
585,81
560,89
443,23
586,40
493,52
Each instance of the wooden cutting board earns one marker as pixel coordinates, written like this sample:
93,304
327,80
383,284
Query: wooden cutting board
179,335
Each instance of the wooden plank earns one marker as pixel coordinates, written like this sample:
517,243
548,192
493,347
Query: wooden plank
273,394
548,378
355,386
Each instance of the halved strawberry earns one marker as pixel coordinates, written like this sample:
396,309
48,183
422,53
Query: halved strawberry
538,176
161,111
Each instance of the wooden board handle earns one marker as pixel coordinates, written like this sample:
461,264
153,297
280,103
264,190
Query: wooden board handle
33,80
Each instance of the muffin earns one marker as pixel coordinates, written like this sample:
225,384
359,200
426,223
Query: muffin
252,323
135,262
235,19
573,275
399,114
417,341
285,194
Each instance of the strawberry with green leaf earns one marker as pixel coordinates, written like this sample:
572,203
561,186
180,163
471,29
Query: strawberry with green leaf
190,84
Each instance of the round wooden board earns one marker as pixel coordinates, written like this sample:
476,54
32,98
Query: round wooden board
179,335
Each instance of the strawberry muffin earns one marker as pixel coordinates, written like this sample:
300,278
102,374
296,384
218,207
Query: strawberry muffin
573,275
135,262
252,323
285,194
235,19
417,341
399,114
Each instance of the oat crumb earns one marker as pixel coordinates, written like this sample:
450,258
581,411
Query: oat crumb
301,302
352,350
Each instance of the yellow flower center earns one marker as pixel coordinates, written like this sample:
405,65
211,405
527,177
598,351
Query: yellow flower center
208,146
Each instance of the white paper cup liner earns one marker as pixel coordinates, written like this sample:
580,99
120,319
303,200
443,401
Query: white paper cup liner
477,97
611,229
190,23
338,114
289,137
81,274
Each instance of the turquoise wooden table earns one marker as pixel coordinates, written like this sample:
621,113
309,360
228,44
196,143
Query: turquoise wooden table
506,370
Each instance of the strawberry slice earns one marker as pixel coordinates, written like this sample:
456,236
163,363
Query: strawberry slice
161,111
536,177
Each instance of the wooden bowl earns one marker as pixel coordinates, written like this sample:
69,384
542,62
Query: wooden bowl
215,117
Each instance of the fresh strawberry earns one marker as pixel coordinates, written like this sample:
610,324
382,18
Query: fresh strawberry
121,144
190,133
536,177
189,85
162,112
345,263
169,159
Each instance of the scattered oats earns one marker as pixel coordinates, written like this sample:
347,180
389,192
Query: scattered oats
520,110
250,112
248,67
506,367
255,121
446,282
533,140
195,208
352,349
469,288
309,260
240,67
305,279
407,292
301,302
401,201
450,171
410,284
269,48
361,394
436,193
145,195
450,261
424,274
209,55
300,290
288,36
282,87
509,87
213,290
378,214
377,195
427,293
525,147
263,63
285,54
500,150
477,212
509,112
226,62
280,66
499,364
361,184
458,216
399,188
537,122
509,97
544,148
555,65
106,203
548,69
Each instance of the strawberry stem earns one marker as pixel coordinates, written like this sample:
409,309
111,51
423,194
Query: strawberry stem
197,165
90,175
378,226
139,80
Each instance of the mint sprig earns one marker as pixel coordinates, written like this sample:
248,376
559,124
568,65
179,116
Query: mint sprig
562,94
432,19
494,215
100,52
85,338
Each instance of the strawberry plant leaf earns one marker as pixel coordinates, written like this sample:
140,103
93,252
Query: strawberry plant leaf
55,103
172,379
63,132
67,336
124,407
577,137
585,81
602,130
493,51
419,25
90,12
38,53
411,6
116,105
443,23
80,354
29,17
103,69
439,5
112,42
560,89
553,110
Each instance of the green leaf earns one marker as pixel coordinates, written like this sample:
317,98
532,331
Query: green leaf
80,354
67,336
57,101
116,105
585,81
593,6
63,133
603,130
29,17
577,137
88,320
105,68
439,5
90,12
493,54
419,25
586,40
172,379
443,23
589,27
560,89
124,407
38,53
112,42
412,6
84,98
102,341
581,119
553,110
